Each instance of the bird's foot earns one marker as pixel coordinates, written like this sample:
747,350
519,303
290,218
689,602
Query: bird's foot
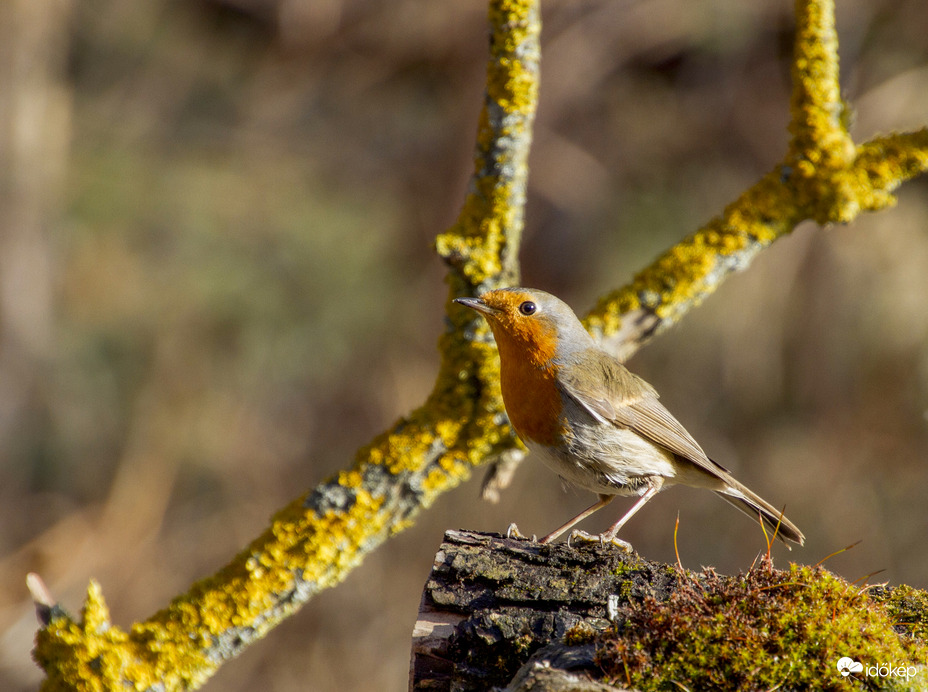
513,532
602,539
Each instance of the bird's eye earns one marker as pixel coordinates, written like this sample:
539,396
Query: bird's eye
528,308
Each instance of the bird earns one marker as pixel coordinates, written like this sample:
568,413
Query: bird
593,422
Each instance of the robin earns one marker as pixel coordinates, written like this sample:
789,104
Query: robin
594,423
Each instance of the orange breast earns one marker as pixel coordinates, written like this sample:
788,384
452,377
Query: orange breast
532,400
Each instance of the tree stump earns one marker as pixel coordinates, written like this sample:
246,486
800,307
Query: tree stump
492,603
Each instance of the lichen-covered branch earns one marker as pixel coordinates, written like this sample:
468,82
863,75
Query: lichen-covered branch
823,177
482,247
313,543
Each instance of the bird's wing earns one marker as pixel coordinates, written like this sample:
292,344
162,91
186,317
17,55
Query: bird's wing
624,399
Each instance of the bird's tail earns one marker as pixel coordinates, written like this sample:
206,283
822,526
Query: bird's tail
753,505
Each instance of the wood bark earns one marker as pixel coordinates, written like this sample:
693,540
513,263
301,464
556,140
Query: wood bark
495,611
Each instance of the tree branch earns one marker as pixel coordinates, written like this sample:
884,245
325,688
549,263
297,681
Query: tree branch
823,177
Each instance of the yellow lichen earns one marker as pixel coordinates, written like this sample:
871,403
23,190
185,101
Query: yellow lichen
95,613
512,87
350,479
435,481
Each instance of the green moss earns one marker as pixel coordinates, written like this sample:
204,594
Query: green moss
908,609
579,634
763,630
633,563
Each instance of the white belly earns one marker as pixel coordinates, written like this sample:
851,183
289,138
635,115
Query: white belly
621,465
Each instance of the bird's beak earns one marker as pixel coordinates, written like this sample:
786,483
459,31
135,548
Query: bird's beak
476,304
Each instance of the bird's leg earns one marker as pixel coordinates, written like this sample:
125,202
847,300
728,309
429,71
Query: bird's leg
602,539
513,532
654,486
602,502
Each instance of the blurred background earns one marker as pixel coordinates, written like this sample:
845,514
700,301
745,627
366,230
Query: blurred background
216,283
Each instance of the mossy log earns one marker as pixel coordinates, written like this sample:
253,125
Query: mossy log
512,614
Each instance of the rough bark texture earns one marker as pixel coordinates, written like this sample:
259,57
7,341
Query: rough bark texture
493,604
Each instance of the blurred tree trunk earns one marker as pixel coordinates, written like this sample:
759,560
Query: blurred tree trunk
34,135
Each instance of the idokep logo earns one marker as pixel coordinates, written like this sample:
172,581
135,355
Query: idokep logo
848,666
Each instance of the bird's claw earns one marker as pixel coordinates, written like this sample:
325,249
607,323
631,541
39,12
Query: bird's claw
602,539
513,532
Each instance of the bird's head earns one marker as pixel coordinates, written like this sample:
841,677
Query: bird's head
530,324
